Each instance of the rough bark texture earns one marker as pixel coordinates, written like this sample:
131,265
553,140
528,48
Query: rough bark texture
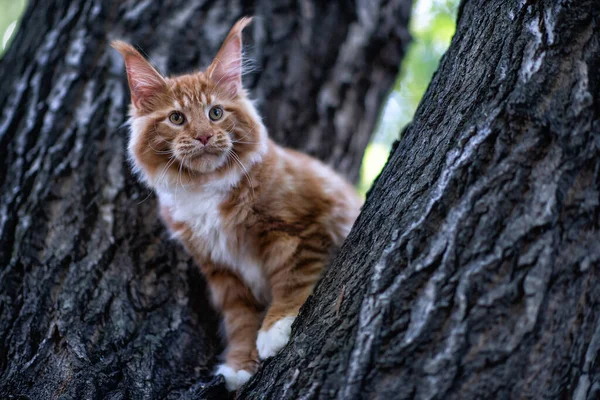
95,301
473,271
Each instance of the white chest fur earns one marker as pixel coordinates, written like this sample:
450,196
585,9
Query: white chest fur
200,211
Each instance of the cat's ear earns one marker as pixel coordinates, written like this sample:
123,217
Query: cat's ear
226,69
145,83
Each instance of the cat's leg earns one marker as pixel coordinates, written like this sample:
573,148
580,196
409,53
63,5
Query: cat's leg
242,315
290,289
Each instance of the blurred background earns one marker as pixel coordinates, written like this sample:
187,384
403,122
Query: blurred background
432,26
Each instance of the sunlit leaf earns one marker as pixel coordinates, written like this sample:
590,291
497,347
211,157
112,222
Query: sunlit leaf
432,27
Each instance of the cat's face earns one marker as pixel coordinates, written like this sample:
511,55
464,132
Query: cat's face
188,128
197,129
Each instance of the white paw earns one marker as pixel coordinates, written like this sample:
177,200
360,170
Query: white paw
271,341
233,379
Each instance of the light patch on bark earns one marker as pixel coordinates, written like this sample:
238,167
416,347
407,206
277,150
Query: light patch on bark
77,48
583,383
160,56
135,13
535,286
110,190
549,22
533,56
581,93
419,314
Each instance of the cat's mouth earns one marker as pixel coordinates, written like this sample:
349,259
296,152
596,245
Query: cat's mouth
204,152
200,152
203,160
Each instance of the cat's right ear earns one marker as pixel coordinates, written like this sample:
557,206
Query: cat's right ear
145,83
226,69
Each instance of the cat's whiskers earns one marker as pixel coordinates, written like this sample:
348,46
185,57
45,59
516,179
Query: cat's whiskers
158,136
238,141
146,198
228,159
162,139
230,131
164,170
243,137
191,170
246,173
179,174
169,152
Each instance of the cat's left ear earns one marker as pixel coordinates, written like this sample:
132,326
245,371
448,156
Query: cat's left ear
146,85
226,69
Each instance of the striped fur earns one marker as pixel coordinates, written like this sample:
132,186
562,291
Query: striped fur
260,220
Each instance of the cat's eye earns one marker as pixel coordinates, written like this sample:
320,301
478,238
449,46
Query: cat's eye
177,118
215,113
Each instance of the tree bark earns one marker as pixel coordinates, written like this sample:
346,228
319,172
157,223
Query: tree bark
473,271
95,300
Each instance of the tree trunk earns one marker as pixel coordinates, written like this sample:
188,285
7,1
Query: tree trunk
95,301
473,271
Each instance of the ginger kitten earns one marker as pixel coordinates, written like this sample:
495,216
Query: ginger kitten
261,221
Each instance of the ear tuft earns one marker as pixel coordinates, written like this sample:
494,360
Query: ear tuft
145,83
226,69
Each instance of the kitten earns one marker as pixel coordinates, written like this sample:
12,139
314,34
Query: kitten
261,221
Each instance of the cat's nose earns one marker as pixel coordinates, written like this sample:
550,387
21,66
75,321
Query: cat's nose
204,139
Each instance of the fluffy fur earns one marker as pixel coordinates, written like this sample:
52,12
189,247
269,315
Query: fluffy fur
261,221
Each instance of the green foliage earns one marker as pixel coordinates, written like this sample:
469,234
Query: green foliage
10,16
432,27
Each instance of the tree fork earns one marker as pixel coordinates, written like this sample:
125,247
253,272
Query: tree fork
95,300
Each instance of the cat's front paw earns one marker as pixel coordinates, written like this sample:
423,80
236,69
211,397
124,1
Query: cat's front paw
233,379
270,341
